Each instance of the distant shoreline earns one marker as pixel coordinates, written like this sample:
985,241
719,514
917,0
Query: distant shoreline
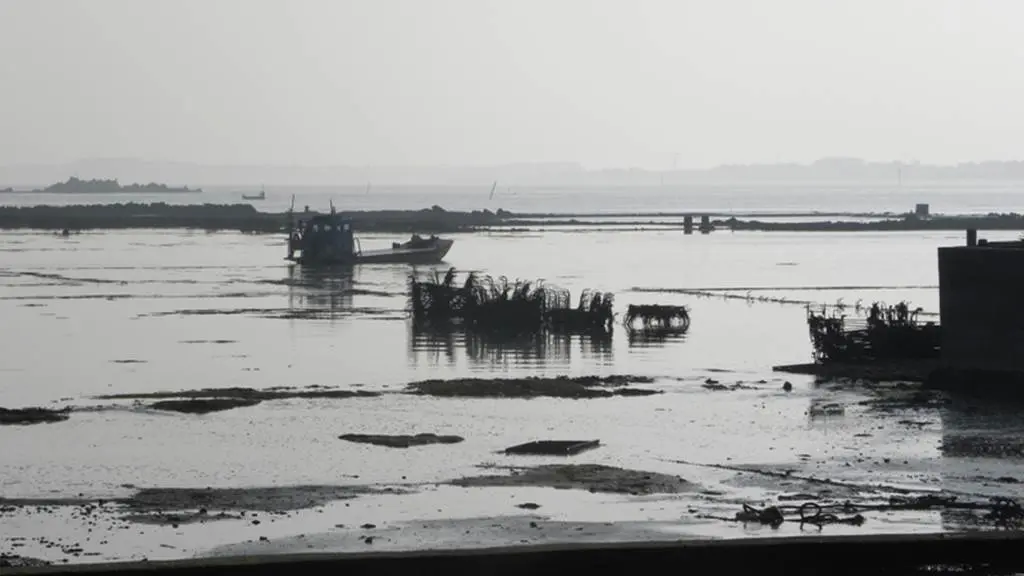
246,218
74,185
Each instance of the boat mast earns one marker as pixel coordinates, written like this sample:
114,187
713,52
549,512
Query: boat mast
291,229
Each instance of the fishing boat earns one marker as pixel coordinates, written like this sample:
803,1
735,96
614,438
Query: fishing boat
262,195
326,239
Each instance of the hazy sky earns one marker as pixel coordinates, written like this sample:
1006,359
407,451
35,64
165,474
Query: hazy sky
605,83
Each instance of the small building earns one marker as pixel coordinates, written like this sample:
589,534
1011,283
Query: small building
981,304
921,210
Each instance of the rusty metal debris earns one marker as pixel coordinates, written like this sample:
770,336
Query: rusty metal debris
1001,511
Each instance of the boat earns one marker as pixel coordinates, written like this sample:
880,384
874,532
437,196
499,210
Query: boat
262,195
328,239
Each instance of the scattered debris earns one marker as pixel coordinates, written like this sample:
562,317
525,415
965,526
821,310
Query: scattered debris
591,477
534,386
826,409
1001,511
401,441
712,384
34,415
553,447
204,405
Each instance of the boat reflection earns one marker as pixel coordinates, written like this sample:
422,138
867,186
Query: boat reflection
434,342
324,289
651,337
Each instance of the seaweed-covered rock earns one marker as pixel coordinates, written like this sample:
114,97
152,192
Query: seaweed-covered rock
401,440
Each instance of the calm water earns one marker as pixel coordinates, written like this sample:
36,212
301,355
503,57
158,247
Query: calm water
137,311
946,197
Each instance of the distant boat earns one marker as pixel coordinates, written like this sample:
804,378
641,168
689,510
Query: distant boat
326,239
259,196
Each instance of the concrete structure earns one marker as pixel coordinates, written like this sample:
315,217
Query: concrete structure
921,210
981,304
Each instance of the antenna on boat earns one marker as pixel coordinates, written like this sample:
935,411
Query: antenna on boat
493,188
291,228
332,206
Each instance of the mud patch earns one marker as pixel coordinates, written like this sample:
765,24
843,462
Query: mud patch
26,416
170,506
590,477
15,561
715,385
533,387
401,441
906,398
278,393
272,499
129,361
200,516
982,446
203,405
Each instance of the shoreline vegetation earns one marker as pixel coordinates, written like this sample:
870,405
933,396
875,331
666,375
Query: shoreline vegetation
246,218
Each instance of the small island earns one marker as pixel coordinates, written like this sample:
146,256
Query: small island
75,185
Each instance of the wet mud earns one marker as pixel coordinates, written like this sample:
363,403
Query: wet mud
271,499
169,506
455,533
589,477
983,446
27,416
203,405
534,387
880,371
277,393
15,561
401,440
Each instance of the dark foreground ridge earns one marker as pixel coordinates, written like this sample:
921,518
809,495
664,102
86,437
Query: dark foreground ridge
246,218
934,554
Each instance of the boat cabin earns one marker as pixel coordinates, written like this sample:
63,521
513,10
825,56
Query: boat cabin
322,238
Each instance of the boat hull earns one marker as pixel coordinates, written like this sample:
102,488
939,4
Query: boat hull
427,255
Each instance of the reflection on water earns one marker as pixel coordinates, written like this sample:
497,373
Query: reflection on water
432,343
324,288
974,428
654,337
983,441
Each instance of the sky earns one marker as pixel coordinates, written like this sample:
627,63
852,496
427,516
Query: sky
625,83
